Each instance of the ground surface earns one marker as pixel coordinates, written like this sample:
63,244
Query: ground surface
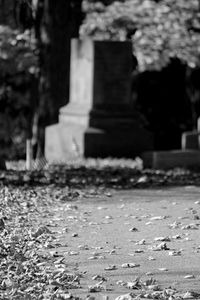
97,232
101,229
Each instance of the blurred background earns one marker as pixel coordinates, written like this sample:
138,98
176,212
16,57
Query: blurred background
35,62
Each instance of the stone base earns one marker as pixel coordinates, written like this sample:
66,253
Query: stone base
129,144
171,159
190,140
64,142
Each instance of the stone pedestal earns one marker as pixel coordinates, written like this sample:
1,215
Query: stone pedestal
190,140
186,157
65,140
99,120
171,159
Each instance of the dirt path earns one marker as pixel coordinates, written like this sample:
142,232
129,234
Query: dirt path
118,230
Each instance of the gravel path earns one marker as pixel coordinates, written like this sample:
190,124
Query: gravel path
121,235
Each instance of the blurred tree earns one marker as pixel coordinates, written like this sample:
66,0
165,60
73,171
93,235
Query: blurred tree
17,59
161,29
49,25
39,33
7,13
162,32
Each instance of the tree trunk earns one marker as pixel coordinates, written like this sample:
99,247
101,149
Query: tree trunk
60,21
55,63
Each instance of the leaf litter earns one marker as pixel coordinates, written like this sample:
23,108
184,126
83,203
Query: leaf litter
27,270
22,244
149,289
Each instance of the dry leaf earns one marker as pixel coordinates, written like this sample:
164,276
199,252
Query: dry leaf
110,268
129,296
189,276
130,265
133,229
162,239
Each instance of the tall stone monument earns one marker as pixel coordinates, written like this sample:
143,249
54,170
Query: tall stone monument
99,120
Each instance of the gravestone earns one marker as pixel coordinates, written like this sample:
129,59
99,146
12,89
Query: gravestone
186,157
191,139
171,159
99,120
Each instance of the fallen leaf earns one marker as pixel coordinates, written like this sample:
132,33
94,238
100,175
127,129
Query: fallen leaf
149,274
130,265
139,251
162,239
189,276
95,288
129,296
141,242
41,230
99,277
72,253
151,258
189,226
75,234
83,247
157,218
175,253
197,202
133,229
190,295
176,237
159,247
71,207
108,217
110,268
